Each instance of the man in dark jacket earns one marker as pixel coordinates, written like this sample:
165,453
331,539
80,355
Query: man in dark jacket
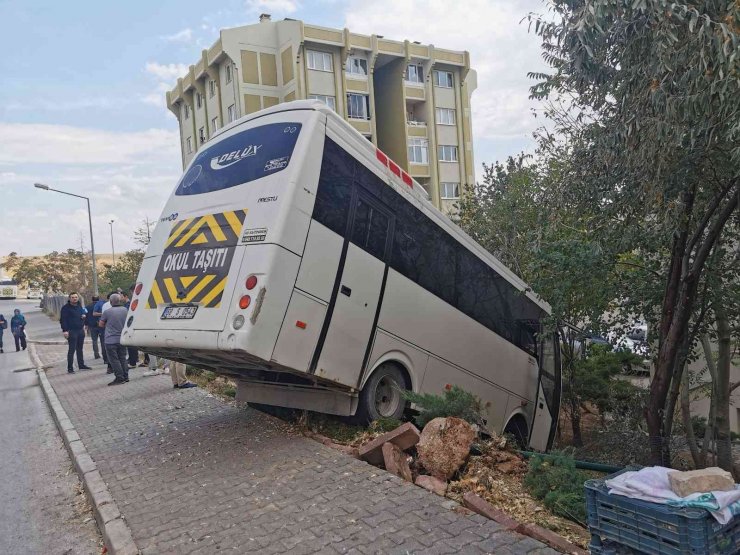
72,320
96,333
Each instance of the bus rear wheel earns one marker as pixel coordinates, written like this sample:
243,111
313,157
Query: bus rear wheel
382,396
517,428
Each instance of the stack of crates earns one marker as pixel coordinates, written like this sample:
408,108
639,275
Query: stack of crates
617,523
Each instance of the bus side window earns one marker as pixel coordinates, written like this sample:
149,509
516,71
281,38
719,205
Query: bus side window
370,229
334,193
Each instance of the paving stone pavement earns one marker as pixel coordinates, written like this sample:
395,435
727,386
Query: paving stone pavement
193,474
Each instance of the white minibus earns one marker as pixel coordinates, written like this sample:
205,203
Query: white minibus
300,260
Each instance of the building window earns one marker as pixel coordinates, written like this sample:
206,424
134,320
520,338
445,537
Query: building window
231,113
211,88
228,73
443,79
418,150
187,111
414,74
446,116
202,135
214,124
198,100
330,101
320,61
357,66
447,153
189,145
358,106
450,190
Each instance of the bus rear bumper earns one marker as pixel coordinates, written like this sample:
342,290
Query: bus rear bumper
297,397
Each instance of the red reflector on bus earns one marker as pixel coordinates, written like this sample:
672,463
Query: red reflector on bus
300,324
381,156
394,168
407,179
251,282
244,302
134,304
139,287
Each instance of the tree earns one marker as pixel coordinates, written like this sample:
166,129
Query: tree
645,95
123,273
54,272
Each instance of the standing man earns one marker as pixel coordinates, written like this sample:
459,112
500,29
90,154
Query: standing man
133,352
100,307
72,320
91,324
113,320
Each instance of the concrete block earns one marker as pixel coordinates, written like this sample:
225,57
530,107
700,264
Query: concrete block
430,483
403,437
700,481
396,461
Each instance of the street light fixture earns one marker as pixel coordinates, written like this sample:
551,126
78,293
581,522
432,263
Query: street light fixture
112,248
89,221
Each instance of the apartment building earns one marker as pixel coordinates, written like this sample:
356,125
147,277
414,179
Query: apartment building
409,99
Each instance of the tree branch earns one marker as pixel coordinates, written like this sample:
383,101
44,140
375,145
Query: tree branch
713,234
711,209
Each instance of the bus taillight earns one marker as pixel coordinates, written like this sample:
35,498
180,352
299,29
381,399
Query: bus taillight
251,282
134,304
139,287
245,301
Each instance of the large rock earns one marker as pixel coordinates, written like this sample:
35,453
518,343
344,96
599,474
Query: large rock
396,461
403,437
444,446
432,484
700,481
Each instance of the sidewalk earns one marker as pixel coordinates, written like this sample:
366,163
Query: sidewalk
192,474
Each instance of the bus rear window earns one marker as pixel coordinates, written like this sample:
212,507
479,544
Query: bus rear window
241,158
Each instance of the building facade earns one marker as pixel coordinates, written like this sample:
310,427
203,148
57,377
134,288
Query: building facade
411,100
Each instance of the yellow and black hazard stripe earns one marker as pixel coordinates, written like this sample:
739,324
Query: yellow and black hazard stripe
212,235
210,229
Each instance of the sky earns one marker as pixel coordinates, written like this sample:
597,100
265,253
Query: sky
82,98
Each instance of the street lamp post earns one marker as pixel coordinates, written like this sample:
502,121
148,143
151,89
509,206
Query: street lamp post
89,221
112,248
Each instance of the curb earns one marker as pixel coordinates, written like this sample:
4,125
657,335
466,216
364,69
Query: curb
479,505
116,533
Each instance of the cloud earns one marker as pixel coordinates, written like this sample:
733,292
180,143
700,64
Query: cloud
502,51
65,105
274,6
128,176
166,72
181,36
39,143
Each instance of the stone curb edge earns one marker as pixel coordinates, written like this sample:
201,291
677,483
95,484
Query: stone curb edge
479,505
116,533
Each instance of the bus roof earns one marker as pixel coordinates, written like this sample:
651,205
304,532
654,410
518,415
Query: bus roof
404,184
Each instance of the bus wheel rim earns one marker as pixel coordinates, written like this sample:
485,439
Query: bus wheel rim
387,396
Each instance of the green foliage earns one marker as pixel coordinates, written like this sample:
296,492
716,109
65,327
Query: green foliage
455,401
384,424
555,481
123,273
56,272
229,391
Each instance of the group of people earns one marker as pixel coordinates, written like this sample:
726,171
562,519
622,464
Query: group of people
104,321
17,328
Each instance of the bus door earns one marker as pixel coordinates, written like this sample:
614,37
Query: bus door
547,407
344,343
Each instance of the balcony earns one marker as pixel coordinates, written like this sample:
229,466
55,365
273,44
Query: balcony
416,128
414,91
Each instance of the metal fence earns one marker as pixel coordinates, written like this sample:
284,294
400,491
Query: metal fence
52,304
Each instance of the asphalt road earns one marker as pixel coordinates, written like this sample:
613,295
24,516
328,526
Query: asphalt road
42,508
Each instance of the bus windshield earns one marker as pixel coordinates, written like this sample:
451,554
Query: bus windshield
241,158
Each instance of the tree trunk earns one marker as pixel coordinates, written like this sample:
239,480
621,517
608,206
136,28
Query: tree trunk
686,413
575,422
722,415
709,430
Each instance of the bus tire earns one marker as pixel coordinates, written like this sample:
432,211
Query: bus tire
382,395
517,428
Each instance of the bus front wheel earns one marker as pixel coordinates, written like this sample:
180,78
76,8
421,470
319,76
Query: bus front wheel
382,395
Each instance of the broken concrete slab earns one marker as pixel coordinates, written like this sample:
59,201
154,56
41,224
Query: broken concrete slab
403,437
396,461
430,483
700,481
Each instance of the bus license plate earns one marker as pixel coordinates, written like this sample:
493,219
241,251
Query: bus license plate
179,312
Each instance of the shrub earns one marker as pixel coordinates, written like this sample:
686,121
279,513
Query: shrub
454,402
555,481
385,424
